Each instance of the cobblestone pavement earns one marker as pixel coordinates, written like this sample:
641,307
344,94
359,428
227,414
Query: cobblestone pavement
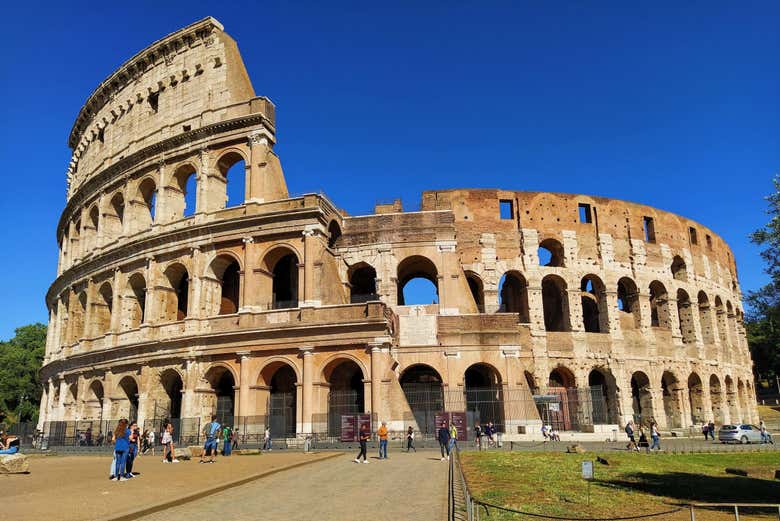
403,487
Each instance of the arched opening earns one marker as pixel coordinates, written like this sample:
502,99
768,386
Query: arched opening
94,221
695,398
172,384
603,397
551,253
705,318
282,398
716,398
223,399
115,217
641,398
731,323
422,386
71,401
362,281
477,290
346,394
679,270
731,400
183,192
743,402
285,280
556,304
127,405
720,319
513,296
685,313
659,306
78,316
484,396
233,170
103,309
670,388
418,282
564,416
222,287
93,405
334,233
628,304
147,193
175,302
594,305
134,302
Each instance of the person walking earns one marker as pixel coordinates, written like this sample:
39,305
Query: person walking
410,439
150,441
267,439
364,436
453,437
711,429
121,446
211,430
705,429
234,440
227,442
444,441
478,435
630,434
655,436
382,435
167,442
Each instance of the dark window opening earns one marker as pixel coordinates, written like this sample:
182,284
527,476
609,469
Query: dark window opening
182,297
186,128
476,288
334,233
551,253
693,236
585,213
649,227
363,284
555,304
506,209
679,270
513,296
709,242
101,135
231,282
153,99
285,282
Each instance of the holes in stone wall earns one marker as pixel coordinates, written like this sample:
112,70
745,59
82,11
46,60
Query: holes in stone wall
679,269
362,281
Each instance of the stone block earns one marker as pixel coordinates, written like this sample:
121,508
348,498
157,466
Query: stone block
183,453
14,464
245,452
196,451
575,449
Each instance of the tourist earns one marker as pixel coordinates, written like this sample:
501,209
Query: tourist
132,450
554,435
267,439
711,428
365,435
382,435
410,439
169,454
121,446
453,437
766,436
9,444
478,435
705,429
490,430
227,443
655,436
150,441
211,430
545,433
630,433
643,440
144,443
444,440
234,439
100,439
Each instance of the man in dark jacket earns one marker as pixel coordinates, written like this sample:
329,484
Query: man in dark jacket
444,440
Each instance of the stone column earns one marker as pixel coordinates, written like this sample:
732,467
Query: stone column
243,392
108,391
376,377
245,275
63,394
196,304
188,405
308,267
307,397
150,306
116,302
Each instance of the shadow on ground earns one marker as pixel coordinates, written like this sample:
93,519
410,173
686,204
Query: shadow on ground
692,488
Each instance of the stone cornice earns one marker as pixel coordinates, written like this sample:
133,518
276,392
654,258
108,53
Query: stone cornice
134,67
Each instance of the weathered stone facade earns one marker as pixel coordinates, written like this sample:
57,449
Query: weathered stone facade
166,299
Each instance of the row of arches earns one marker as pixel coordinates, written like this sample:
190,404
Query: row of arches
140,204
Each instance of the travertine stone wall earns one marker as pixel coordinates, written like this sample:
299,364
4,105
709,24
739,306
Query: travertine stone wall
168,300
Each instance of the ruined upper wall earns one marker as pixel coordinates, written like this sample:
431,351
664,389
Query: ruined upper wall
173,86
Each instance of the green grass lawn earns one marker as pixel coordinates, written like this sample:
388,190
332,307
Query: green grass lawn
632,484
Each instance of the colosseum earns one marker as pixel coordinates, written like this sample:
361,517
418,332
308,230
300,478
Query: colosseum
174,300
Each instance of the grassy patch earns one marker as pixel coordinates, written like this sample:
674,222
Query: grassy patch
633,484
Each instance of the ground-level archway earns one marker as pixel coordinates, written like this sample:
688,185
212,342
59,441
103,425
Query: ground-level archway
718,403
422,386
670,389
564,415
603,397
282,403
347,392
641,398
223,399
484,396
695,399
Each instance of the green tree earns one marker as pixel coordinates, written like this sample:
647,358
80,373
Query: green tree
763,318
20,360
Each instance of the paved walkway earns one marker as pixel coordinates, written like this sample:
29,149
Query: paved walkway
403,487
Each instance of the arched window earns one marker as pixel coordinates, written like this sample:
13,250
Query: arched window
222,286
176,298
233,170
346,394
476,290
422,386
513,296
172,384
720,317
641,397
696,399
685,313
551,253
222,384
628,304
147,192
556,304
594,305
134,302
659,306
705,318
103,309
78,316
679,270
334,233
283,264
670,390
362,281
94,221
113,219
603,396
417,281
183,196
484,395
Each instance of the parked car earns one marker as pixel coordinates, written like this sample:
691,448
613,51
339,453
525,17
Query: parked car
744,433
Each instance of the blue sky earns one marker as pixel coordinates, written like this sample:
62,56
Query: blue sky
673,106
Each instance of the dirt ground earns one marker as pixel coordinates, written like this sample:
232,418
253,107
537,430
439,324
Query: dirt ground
77,488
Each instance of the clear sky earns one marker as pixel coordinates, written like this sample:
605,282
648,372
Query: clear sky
674,106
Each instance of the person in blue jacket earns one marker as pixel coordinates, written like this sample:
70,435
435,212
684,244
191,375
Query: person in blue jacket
121,446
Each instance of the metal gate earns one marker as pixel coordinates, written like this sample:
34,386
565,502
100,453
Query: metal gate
340,403
281,414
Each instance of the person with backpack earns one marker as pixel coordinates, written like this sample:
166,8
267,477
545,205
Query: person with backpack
211,430
631,439
365,435
227,434
444,440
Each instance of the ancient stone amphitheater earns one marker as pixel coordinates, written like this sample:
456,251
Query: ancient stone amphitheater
173,300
